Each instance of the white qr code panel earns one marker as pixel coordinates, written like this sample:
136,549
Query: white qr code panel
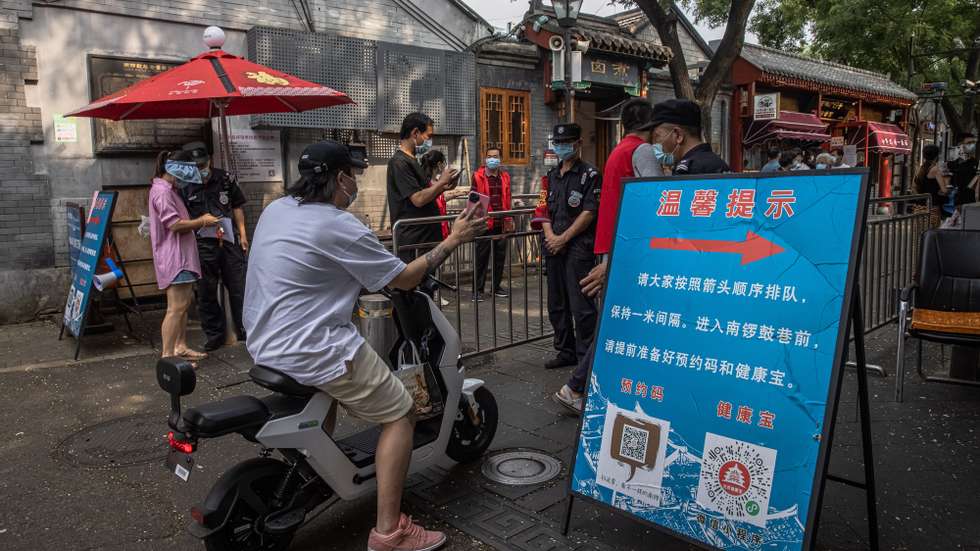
634,444
736,479
632,456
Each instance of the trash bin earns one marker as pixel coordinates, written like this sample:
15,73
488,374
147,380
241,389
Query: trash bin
376,324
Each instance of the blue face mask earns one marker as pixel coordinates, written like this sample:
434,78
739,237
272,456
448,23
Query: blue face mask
186,173
662,156
493,163
821,166
424,147
564,151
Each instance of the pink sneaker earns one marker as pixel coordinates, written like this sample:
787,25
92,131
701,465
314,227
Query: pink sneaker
408,537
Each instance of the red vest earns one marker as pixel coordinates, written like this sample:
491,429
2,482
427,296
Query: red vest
481,184
618,166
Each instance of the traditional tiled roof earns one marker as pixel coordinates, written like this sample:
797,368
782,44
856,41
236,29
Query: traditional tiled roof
605,35
617,43
783,64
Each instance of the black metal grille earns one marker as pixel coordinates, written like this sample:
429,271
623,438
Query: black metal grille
439,83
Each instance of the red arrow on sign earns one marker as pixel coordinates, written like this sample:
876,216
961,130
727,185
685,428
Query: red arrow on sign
755,247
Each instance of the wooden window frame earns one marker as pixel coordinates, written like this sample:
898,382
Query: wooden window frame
506,155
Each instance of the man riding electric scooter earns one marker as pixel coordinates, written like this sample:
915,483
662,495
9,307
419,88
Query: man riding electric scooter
309,260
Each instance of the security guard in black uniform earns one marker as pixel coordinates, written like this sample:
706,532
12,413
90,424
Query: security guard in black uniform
677,139
221,260
569,238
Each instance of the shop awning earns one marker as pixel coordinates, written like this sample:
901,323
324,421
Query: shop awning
884,138
790,125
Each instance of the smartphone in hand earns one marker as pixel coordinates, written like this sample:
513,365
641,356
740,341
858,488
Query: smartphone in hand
454,180
478,202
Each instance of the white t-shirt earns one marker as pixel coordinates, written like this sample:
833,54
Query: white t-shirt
306,266
645,162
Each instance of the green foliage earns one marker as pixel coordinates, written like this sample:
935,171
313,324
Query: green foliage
873,34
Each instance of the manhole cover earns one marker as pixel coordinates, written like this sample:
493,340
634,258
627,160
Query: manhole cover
521,468
120,442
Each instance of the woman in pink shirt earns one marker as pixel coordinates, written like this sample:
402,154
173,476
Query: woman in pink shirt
175,248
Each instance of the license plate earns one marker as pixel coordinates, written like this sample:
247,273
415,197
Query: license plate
181,464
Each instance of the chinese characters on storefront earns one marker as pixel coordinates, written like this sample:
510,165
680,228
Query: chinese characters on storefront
720,337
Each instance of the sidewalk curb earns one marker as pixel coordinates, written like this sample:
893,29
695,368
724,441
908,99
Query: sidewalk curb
57,364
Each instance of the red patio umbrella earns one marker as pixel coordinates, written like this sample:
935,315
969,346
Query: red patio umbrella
213,84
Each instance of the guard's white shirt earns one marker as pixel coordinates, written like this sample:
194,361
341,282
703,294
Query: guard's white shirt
306,267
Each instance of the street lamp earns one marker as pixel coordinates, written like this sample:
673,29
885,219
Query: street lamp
566,12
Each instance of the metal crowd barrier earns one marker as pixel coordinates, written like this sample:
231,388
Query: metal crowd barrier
891,252
522,314
889,258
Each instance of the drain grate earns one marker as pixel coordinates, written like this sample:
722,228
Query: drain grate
521,467
120,442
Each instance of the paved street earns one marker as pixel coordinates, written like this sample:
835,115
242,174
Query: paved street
87,446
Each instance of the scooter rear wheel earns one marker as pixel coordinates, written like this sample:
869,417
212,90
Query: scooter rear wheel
252,503
468,441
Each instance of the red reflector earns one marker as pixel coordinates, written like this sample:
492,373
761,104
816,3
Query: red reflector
183,447
197,515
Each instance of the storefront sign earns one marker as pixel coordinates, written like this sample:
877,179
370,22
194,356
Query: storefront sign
837,141
111,74
766,107
618,72
83,271
257,154
65,130
719,355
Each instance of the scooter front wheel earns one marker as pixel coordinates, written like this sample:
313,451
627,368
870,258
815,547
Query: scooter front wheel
470,440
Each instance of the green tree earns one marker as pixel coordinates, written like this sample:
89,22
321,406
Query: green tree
733,14
875,35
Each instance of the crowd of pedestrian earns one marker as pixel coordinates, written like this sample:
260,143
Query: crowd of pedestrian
949,185
797,158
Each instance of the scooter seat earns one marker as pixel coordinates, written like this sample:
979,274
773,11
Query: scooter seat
279,382
236,414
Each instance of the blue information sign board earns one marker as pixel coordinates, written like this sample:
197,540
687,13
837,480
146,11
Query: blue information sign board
100,214
719,353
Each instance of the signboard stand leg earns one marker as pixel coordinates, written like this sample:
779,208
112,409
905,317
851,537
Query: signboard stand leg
857,324
135,308
568,515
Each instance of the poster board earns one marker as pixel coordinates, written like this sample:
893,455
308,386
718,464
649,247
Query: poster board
84,269
257,154
719,355
110,74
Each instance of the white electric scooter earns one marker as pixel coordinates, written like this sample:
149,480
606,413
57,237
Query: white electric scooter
261,502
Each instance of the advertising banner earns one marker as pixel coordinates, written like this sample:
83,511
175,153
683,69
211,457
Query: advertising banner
87,262
719,353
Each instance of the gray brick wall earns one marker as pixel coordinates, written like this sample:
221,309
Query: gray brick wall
26,239
524,178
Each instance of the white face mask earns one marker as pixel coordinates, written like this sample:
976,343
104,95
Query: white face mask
344,179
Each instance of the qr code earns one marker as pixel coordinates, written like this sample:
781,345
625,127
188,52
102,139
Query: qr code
634,444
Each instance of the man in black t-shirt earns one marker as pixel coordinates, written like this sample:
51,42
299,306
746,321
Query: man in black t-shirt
409,192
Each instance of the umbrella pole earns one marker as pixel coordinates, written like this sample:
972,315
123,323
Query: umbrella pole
227,156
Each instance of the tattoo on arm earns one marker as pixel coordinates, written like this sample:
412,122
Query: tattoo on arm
435,257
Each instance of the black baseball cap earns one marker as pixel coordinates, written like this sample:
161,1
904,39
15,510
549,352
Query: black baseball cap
322,156
681,112
199,152
566,132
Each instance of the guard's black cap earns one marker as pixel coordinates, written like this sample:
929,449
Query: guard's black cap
681,112
322,156
199,152
566,132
